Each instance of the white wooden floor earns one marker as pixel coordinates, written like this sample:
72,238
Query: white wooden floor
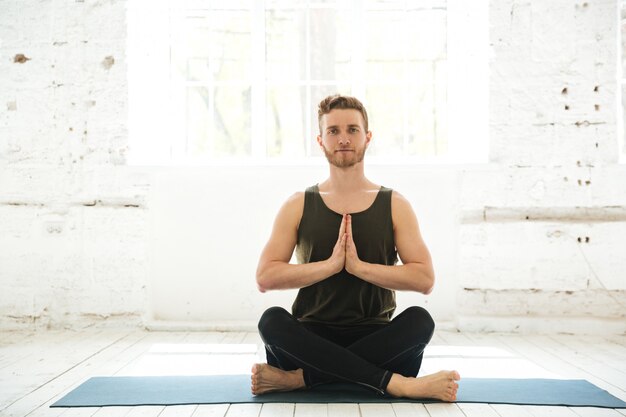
37,368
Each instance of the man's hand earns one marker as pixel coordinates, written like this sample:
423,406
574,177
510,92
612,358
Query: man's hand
338,257
344,253
352,257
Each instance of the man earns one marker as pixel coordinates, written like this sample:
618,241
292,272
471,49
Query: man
347,233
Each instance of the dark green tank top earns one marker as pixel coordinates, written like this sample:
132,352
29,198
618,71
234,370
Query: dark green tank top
344,299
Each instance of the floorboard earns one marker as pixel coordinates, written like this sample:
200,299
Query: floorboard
343,410
410,410
311,410
376,410
244,410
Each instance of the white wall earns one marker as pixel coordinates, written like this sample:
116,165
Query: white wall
85,239
72,215
209,226
554,176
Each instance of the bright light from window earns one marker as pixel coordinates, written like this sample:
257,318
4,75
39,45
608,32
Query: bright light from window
163,359
482,362
239,81
237,359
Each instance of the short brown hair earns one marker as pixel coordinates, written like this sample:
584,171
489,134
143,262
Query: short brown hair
338,101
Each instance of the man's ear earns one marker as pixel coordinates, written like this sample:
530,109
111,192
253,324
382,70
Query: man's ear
368,137
319,140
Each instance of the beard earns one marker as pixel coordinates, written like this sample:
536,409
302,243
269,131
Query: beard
344,160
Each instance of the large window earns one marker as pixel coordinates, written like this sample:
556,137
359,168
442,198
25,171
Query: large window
232,81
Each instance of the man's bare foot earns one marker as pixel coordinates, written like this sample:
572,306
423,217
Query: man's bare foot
441,385
266,378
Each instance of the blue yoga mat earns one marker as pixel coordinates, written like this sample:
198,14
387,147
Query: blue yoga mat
220,389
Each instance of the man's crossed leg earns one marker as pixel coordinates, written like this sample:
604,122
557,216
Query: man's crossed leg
382,357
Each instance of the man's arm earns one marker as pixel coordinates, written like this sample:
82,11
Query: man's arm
416,272
274,271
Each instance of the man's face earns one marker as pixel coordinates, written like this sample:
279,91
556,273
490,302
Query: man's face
344,139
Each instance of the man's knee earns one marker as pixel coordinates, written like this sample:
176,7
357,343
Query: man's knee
421,322
273,319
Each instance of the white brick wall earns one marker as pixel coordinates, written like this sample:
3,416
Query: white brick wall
555,179
74,218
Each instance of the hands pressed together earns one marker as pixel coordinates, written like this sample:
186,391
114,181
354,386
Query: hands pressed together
344,253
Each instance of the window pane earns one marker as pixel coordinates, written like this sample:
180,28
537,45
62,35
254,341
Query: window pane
285,4
331,37
385,45
441,107
427,118
427,35
229,46
190,58
421,140
426,4
624,117
623,28
211,5
214,47
285,121
385,112
285,47
227,133
384,4
231,122
623,40
420,112
198,119
197,69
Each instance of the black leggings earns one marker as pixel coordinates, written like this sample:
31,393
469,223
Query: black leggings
367,355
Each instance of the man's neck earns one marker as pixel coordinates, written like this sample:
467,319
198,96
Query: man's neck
346,180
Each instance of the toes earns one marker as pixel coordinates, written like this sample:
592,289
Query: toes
451,396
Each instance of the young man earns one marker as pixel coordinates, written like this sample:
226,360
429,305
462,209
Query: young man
347,233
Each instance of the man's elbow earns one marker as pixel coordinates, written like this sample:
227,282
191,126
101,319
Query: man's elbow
262,282
265,280
429,285
423,279
268,276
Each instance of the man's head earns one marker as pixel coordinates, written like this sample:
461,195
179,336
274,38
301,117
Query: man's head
343,130
340,102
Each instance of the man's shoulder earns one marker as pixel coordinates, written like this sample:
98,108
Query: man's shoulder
294,203
295,197
397,197
400,204
290,212
299,196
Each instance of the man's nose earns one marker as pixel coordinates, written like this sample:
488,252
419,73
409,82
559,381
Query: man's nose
344,139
